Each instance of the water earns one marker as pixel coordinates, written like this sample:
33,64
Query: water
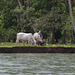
37,64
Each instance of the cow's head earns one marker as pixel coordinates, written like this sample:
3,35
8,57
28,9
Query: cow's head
43,43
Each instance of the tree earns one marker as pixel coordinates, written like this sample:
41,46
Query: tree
21,16
50,16
70,9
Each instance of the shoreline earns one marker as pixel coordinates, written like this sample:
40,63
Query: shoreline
37,50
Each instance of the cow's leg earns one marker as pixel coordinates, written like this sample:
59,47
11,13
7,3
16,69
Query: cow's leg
17,42
33,41
29,42
23,43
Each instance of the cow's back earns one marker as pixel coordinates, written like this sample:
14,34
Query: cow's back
24,36
20,35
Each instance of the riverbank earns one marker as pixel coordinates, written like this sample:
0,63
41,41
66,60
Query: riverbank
37,50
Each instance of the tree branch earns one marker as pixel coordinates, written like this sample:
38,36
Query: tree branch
19,3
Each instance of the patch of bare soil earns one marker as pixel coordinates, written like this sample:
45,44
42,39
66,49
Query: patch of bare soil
37,50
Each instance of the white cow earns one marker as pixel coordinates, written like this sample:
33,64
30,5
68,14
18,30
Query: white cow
37,36
25,37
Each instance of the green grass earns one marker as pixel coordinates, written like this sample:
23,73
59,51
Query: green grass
7,44
61,45
10,44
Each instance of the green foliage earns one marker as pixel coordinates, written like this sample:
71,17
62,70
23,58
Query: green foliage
43,15
61,7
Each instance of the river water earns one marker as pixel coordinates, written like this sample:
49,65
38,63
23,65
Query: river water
37,64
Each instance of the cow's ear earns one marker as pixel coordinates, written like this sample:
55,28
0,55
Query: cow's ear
39,32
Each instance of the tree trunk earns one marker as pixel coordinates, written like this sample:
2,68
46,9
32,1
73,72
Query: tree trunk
70,9
22,2
74,2
16,2
53,34
66,3
22,26
64,38
71,37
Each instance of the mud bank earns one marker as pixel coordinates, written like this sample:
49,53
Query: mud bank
37,50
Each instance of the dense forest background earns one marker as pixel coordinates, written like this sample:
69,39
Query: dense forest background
52,17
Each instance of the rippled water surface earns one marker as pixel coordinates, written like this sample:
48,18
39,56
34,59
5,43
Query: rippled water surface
37,64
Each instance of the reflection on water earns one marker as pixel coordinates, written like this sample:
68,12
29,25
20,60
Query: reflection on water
37,64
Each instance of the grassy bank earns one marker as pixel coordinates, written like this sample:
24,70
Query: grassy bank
10,44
